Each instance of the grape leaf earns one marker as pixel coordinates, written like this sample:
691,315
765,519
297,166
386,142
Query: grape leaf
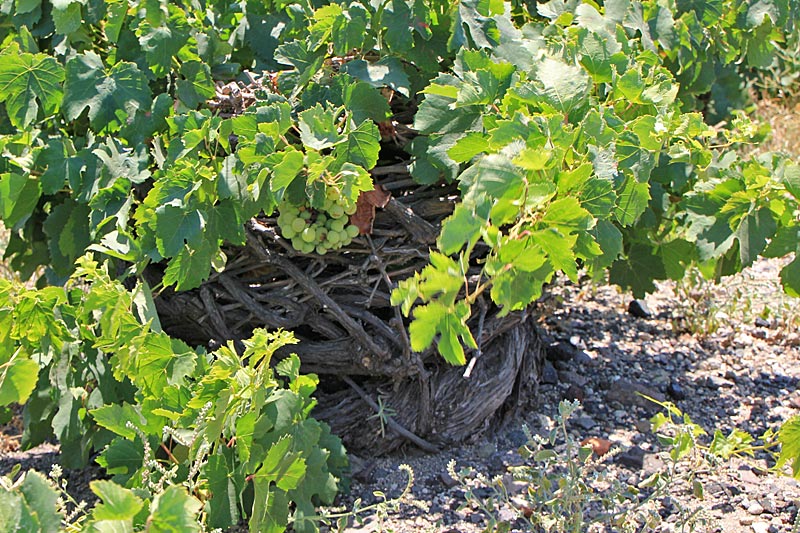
436,114
471,24
753,232
18,376
223,508
121,458
111,95
783,242
28,81
790,279
319,128
514,289
458,229
41,499
362,146
558,86
197,85
610,240
174,510
449,323
19,195
118,503
396,19
289,167
176,226
638,270
789,437
67,15
633,198
791,179
115,417
365,103
163,41
282,465
559,250
67,228
191,265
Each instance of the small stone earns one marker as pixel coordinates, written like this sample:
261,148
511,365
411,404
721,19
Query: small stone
629,393
748,476
746,520
768,504
486,450
632,458
583,359
760,527
755,508
762,323
794,402
675,391
513,486
475,518
561,351
585,422
643,426
572,378
506,515
573,393
517,438
716,382
549,374
639,309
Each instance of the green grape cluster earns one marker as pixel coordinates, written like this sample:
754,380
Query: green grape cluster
318,230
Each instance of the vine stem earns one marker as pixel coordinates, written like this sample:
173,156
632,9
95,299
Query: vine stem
391,422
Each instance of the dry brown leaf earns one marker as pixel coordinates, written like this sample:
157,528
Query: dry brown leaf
365,208
598,445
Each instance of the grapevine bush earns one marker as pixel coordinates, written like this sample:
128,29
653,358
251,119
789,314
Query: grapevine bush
580,136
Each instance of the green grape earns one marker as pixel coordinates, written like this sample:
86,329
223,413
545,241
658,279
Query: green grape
334,237
350,209
305,214
309,235
338,224
308,248
288,233
298,243
321,219
332,194
298,225
337,211
321,250
352,231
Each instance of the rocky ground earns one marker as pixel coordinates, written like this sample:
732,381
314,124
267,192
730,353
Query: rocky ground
727,355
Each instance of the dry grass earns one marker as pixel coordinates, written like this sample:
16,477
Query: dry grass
783,117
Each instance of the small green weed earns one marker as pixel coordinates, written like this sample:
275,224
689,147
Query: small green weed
569,489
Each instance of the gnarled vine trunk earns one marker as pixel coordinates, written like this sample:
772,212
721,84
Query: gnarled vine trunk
375,392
